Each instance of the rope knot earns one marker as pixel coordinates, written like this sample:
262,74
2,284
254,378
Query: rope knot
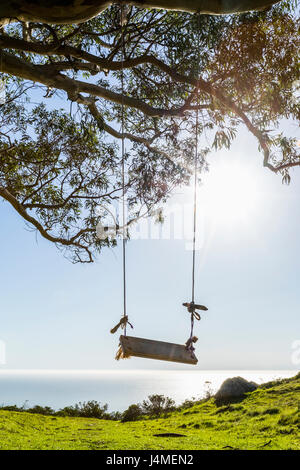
122,323
192,307
189,345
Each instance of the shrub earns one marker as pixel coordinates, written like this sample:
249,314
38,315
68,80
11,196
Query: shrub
11,408
89,409
132,413
188,403
41,410
115,416
157,404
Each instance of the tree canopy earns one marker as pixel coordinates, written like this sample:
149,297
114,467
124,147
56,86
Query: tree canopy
59,167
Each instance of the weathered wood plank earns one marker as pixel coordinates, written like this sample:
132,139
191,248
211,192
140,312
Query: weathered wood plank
160,350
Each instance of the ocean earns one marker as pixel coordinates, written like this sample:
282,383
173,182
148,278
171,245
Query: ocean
59,388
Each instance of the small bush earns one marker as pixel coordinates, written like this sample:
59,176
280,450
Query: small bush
115,416
90,409
155,405
188,404
133,413
41,410
11,408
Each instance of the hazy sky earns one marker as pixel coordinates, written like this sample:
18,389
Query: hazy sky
55,315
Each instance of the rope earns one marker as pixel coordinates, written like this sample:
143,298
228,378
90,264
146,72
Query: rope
125,317
195,199
124,320
191,309
191,306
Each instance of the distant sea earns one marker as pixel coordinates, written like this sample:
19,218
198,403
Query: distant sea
118,389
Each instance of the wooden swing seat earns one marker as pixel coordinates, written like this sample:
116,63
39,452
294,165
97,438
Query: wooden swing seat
160,350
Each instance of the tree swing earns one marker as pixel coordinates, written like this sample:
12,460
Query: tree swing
141,347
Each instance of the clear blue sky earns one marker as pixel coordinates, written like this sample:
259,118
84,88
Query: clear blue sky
55,315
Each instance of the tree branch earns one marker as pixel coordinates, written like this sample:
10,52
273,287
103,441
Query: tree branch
62,241
77,12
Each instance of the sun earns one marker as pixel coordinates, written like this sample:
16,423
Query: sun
229,193
229,199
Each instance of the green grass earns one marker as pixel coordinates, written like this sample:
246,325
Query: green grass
268,418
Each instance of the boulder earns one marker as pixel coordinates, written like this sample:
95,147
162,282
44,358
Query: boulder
234,389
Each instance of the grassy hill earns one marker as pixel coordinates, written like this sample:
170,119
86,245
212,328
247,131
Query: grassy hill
268,418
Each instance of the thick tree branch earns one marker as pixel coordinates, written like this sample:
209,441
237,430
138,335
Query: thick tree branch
45,234
41,74
48,76
76,12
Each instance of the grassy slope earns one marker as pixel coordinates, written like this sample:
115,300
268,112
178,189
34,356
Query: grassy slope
271,414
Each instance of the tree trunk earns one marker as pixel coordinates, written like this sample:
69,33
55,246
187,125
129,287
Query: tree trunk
76,11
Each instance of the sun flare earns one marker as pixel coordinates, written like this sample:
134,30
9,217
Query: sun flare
229,193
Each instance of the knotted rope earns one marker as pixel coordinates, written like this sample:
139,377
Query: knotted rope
122,323
123,23
191,308
124,320
194,316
